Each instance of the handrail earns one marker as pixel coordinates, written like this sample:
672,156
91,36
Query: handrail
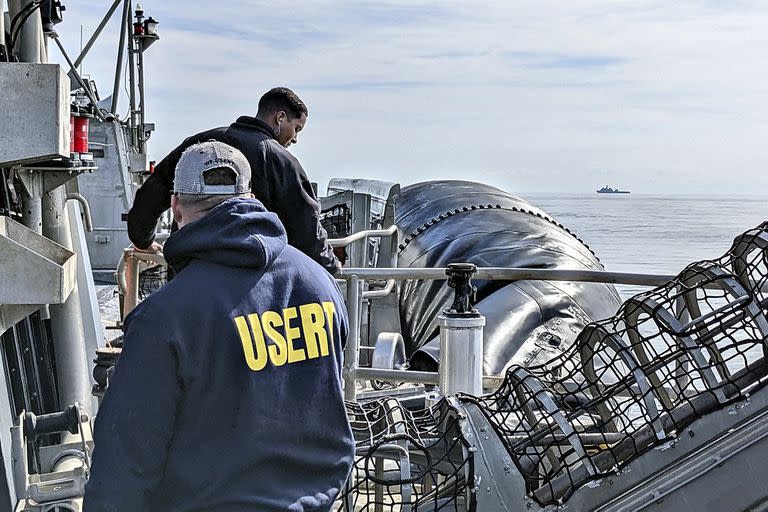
157,258
127,274
375,294
511,274
131,259
74,196
361,235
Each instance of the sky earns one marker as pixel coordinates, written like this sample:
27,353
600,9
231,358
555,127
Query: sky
535,96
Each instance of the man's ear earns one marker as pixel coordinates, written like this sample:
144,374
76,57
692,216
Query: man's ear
176,209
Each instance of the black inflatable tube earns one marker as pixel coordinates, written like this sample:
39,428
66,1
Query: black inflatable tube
443,222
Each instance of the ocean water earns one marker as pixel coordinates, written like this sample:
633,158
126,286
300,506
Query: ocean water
654,234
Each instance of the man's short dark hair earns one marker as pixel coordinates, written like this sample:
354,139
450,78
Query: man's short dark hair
282,98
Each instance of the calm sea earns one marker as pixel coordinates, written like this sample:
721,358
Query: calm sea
654,234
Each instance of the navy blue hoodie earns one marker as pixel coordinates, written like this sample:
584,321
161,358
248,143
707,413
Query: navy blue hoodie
227,395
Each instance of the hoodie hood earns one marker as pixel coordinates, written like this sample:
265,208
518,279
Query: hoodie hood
239,232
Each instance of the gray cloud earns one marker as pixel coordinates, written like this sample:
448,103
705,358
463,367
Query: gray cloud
527,96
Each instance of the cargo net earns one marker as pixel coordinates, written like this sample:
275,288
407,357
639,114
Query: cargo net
635,381
337,220
407,460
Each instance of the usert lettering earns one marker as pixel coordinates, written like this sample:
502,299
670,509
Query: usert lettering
292,335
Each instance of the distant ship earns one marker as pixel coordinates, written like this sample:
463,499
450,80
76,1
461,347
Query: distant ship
608,190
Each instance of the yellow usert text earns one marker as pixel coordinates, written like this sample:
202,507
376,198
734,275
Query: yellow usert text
292,335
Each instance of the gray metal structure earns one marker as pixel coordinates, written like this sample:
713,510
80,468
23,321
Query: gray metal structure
110,193
52,192
119,146
39,93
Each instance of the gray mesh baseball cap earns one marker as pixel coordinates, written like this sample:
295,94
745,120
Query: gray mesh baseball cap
194,176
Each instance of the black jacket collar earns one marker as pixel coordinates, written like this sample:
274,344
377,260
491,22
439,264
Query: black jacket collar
251,123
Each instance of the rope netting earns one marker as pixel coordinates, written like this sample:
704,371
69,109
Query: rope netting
635,381
407,460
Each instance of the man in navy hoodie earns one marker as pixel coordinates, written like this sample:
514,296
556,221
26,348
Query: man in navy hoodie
227,394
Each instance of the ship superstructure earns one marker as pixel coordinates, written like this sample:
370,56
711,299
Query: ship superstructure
490,365
609,190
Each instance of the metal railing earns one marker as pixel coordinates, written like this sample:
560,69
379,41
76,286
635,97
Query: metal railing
513,274
129,266
355,277
362,235
127,275
130,263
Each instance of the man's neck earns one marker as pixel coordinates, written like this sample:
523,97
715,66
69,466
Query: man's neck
265,121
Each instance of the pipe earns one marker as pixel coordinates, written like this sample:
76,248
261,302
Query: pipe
120,56
122,284
74,196
131,297
513,274
30,35
360,235
132,78
376,294
351,350
414,377
140,76
32,213
2,23
397,376
66,319
73,72
97,33
156,258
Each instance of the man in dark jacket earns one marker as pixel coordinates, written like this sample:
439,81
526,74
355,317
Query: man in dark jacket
227,394
279,181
